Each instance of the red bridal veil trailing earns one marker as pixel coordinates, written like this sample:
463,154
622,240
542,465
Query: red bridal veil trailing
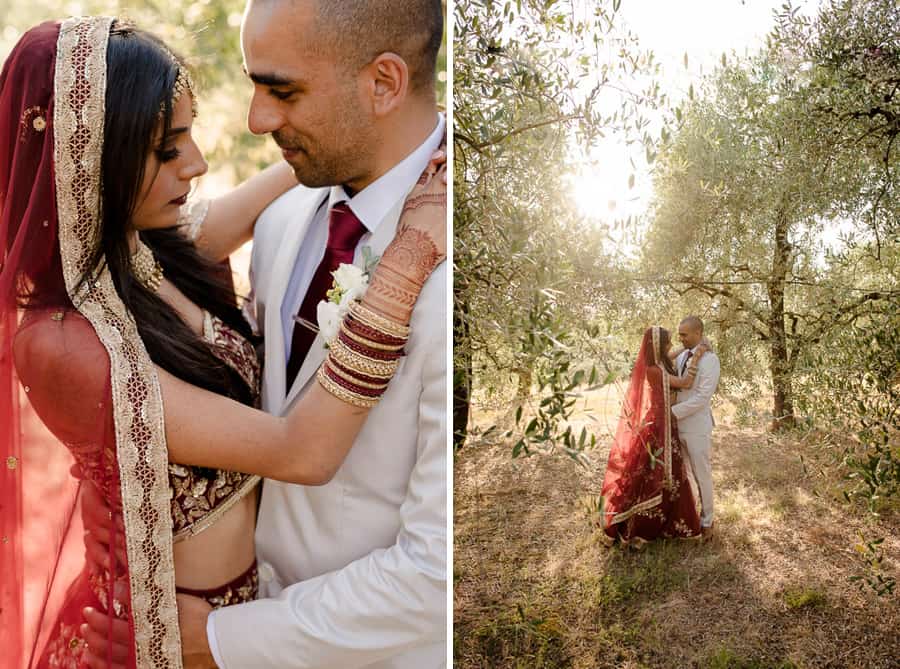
645,490
80,399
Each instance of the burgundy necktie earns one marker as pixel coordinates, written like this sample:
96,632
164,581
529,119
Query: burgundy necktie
344,233
684,364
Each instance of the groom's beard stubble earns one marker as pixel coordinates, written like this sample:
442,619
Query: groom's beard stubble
318,166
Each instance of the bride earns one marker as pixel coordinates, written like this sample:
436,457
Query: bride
646,492
122,349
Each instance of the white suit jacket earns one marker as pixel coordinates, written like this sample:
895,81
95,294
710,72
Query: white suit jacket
692,409
352,573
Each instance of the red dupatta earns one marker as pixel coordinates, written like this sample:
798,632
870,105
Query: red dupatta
77,386
644,433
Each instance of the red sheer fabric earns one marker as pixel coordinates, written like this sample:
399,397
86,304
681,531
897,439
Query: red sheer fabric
645,491
55,400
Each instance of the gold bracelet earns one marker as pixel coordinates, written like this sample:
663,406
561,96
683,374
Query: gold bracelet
358,382
367,342
370,318
360,363
342,393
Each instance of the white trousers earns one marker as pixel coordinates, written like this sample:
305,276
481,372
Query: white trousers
698,450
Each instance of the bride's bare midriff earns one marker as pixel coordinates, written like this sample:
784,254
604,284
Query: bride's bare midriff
225,550
221,552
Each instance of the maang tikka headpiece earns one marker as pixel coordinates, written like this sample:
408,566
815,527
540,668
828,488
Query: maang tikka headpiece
183,82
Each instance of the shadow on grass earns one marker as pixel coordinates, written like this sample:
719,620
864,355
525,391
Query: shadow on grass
534,586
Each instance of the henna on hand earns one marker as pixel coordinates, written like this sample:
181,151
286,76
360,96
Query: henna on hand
419,246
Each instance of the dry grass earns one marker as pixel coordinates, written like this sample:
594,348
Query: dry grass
535,587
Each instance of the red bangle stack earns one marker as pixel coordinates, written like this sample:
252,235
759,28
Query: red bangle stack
363,358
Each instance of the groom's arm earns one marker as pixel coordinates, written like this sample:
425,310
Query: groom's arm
387,602
707,380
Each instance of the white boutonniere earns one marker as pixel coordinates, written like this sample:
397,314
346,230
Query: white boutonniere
350,283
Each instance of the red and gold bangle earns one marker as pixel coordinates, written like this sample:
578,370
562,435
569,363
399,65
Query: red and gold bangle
356,361
365,378
335,370
352,387
371,334
362,349
367,342
362,313
364,330
338,391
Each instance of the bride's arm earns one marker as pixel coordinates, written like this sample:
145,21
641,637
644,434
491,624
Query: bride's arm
309,444
690,374
230,218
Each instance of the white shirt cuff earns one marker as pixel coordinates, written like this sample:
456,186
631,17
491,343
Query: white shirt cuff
211,639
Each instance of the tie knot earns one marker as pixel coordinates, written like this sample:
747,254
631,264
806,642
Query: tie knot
690,354
344,228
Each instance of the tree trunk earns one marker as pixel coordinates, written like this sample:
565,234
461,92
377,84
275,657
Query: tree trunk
462,368
779,359
526,378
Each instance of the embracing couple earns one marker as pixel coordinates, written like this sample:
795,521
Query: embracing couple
664,433
166,499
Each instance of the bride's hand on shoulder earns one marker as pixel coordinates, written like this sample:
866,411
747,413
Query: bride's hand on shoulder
418,248
424,215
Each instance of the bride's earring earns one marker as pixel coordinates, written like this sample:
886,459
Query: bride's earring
146,267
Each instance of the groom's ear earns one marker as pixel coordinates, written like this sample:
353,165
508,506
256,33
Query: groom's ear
387,78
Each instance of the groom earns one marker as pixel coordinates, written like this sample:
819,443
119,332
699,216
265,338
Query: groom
695,419
352,573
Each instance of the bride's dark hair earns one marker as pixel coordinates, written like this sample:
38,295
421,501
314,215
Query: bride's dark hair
664,338
141,75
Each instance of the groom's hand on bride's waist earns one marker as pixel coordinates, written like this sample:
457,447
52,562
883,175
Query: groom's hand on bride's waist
105,637
99,524
192,615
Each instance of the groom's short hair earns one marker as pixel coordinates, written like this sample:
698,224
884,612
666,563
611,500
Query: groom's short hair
361,29
693,322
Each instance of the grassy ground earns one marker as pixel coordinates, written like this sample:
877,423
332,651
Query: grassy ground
535,587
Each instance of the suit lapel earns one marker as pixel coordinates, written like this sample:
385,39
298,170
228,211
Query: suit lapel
378,242
282,268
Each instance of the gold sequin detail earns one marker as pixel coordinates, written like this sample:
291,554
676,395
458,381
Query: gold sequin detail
12,462
58,316
37,121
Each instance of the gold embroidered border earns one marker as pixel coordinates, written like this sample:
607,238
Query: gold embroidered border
80,90
637,508
667,426
667,407
655,332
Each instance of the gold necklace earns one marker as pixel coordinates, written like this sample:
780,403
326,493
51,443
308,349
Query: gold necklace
146,267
